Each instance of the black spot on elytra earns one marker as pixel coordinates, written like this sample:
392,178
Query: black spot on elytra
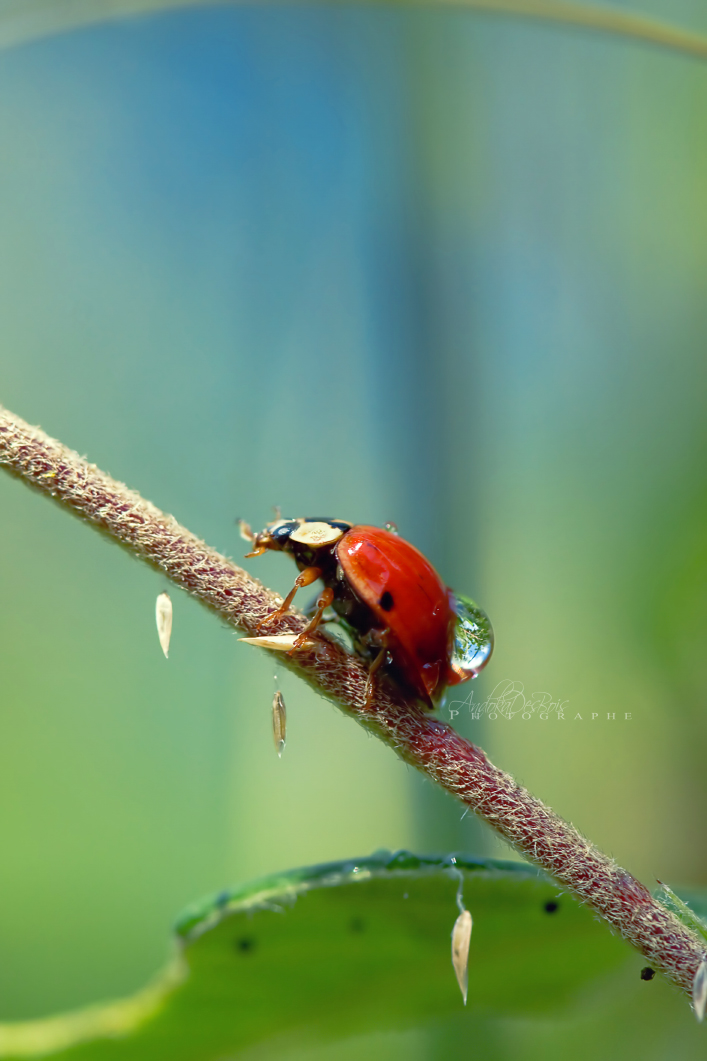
356,924
647,973
551,907
386,601
246,944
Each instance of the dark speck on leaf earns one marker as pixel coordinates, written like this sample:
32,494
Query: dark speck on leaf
647,973
246,945
551,907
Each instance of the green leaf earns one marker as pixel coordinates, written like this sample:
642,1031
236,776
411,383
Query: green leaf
339,949
691,910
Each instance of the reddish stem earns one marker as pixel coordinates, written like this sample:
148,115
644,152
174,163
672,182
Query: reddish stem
426,743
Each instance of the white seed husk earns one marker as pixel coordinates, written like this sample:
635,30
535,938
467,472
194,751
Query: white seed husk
163,615
279,722
461,938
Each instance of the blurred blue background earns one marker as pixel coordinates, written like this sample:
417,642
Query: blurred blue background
429,267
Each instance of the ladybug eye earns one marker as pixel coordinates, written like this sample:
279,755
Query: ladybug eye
281,529
386,601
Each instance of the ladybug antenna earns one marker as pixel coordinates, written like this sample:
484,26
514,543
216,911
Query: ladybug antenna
246,530
278,511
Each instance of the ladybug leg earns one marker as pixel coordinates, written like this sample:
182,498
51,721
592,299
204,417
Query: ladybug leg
312,606
375,666
306,578
322,604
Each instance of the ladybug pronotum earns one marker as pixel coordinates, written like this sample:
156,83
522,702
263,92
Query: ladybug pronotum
388,596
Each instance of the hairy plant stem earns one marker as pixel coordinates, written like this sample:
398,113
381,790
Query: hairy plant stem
426,743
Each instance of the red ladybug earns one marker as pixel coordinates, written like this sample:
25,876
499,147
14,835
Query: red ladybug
388,596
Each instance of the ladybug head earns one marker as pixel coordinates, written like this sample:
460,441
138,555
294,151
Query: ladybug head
275,536
285,534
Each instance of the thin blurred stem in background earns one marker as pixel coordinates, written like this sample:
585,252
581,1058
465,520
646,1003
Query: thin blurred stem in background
37,19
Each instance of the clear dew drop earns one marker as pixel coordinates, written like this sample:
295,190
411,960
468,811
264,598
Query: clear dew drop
473,638
279,722
163,617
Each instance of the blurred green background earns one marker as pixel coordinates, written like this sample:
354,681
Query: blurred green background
430,267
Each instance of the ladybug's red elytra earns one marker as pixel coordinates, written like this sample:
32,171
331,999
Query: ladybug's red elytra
388,596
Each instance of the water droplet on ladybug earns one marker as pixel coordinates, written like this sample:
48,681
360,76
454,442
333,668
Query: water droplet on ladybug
473,638
392,527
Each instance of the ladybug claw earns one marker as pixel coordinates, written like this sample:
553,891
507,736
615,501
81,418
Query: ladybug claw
376,665
299,641
273,617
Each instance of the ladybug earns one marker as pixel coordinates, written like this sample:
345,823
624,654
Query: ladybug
388,596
